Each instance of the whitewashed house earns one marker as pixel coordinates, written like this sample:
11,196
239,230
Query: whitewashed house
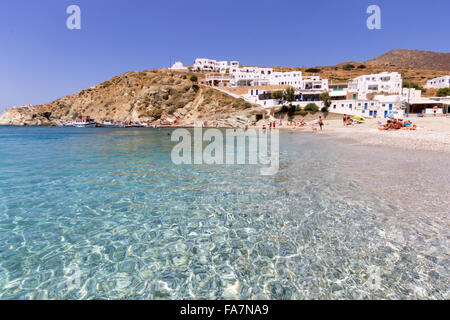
409,94
255,76
314,83
380,107
250,76
202,64
264,98
387,82
293,79
438,83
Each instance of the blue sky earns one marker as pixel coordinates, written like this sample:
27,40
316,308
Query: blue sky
41,60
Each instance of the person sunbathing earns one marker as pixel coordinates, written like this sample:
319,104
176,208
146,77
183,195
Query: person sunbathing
397,124
388,126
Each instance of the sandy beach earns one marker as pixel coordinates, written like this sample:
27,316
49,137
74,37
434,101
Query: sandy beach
431,134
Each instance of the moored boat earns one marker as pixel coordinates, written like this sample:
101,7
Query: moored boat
112,124
82,122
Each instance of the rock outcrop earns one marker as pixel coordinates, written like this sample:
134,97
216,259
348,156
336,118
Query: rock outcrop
146,96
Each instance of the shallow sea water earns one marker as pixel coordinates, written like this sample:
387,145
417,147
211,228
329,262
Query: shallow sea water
339,220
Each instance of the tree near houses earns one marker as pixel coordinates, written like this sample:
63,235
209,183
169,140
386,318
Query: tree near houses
289,94
277,95
326,99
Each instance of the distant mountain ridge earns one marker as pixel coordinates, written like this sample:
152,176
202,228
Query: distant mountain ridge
418,59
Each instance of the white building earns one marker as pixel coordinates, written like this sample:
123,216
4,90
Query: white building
201,64
264,98
387,82
380,107
409,94
250,76
293,79
255,76
438,83
314,83
178,66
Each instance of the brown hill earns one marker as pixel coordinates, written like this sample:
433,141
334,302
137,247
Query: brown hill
418,59
145,96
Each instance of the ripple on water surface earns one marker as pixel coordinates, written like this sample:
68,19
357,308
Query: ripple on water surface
337,221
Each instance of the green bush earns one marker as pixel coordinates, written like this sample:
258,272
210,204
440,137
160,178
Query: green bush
348,67
443,92
171,110
311,108
208,93
238,103
241,104
247,105
277,95
194,78
361,66
413,85
313,70
155,113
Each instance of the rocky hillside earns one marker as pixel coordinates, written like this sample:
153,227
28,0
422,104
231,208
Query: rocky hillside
407,58
146,96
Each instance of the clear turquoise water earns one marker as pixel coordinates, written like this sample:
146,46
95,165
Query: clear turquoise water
339,221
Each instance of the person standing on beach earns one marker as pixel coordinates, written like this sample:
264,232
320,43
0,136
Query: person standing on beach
320,122
344,119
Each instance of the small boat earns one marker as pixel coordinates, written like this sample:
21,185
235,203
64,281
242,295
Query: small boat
111,124
135,125
83,122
